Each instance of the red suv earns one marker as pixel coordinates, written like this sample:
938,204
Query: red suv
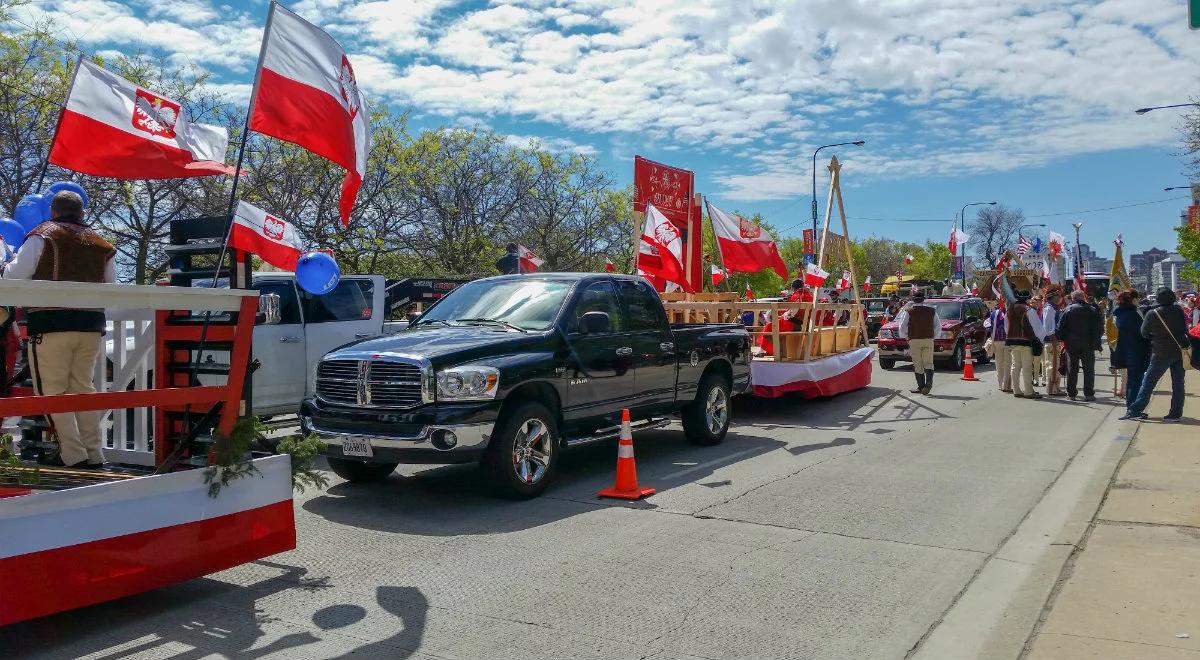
962,320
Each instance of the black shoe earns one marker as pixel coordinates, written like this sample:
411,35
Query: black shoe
1089,398
94,466
920,388
57,461
1171,420
1129,414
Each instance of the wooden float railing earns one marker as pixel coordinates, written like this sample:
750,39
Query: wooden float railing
811,341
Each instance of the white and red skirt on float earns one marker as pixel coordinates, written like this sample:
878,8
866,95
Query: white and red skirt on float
827,376
60,550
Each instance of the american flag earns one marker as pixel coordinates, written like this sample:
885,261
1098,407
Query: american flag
1023,246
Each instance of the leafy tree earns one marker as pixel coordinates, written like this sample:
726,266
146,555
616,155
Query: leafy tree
933,262
1189,247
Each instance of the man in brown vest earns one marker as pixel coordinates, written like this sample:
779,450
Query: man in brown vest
920,325
65,343
1024,327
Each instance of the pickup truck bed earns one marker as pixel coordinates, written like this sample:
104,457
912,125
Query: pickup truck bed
512,370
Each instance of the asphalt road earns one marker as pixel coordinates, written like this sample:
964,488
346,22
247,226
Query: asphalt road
841,528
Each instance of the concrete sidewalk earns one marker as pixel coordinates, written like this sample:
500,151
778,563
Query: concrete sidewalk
1132,589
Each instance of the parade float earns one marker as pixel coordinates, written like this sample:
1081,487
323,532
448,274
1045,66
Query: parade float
825,352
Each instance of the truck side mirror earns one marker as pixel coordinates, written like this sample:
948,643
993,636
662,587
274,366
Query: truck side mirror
593,323
268,310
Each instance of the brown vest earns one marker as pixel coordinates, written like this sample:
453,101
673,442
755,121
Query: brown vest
72,253
920,322
1018,323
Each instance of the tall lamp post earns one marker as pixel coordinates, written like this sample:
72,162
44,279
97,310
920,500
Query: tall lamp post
1142,111
1078,252
857,143
962,221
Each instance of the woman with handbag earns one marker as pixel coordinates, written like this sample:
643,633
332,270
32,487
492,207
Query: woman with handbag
1166,328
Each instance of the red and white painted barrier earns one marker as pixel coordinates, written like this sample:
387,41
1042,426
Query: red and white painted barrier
65,549
827,376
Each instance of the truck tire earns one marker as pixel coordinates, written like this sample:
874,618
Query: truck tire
956,358
887,363
522,457
359,472
706,420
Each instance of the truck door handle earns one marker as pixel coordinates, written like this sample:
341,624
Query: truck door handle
625,350
291,340
667,346
363,335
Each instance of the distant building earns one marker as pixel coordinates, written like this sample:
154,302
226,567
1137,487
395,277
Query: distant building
1166,273
1140,264
1086,256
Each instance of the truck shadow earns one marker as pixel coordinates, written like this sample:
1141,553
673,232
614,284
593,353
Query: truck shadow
459,500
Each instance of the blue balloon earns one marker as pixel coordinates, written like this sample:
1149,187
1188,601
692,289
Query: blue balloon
60,186
31,212
12,232
317,273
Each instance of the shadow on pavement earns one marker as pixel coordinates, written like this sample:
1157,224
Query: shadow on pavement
458,500
208,617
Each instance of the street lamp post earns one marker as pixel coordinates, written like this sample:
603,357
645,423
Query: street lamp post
1078,253
857,143
962,221
1142,111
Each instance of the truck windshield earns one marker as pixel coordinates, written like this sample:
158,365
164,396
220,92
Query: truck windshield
525,303
949,311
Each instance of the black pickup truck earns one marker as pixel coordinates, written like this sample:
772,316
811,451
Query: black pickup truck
512,370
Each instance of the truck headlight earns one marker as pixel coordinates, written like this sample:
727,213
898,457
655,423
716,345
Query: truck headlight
886,333
467,383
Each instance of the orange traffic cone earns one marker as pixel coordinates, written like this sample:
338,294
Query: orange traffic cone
968,364
626,485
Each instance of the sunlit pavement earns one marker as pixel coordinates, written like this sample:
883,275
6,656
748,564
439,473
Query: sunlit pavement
841,528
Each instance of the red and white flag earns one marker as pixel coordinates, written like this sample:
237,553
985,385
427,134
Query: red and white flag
718,275
814,275
609,266
660,252
957,239
867,283
258,232
749,292
530,262
111,127
744,246
908,259
844,283
306,94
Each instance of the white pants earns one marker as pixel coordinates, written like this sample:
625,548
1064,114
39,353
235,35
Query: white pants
921,352
64,363
1003,364
1022,369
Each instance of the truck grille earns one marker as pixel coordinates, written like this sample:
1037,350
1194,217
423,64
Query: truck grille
372,383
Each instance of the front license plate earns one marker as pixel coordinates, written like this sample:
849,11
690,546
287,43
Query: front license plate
357,447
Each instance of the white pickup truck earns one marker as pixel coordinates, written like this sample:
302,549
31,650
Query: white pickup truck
309,327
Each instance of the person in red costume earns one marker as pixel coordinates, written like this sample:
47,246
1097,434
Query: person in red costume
789,321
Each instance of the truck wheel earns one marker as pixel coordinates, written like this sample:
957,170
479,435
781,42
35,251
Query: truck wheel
706,420
359,472
956,359
887,364
522,456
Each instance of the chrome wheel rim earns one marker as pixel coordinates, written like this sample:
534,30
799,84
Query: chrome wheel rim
716,410
531,451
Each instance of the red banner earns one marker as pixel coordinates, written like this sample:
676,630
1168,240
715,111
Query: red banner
809,242
668,188
1194,217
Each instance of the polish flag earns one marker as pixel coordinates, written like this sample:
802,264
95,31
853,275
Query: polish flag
744,247
718,275
306,94
749,292
258,232
814,275
844,283
908,259
609,266
867,283
111,127
530,262
660,252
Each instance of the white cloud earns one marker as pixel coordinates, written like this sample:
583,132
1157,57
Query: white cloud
554,144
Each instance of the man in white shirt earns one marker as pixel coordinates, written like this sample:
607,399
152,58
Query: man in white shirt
1052,355
64,344
920,325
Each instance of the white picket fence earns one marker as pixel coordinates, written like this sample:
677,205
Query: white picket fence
129,349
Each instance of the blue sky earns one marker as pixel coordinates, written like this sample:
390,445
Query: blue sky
1027,102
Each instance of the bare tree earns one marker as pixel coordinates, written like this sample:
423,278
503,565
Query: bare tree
994,230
